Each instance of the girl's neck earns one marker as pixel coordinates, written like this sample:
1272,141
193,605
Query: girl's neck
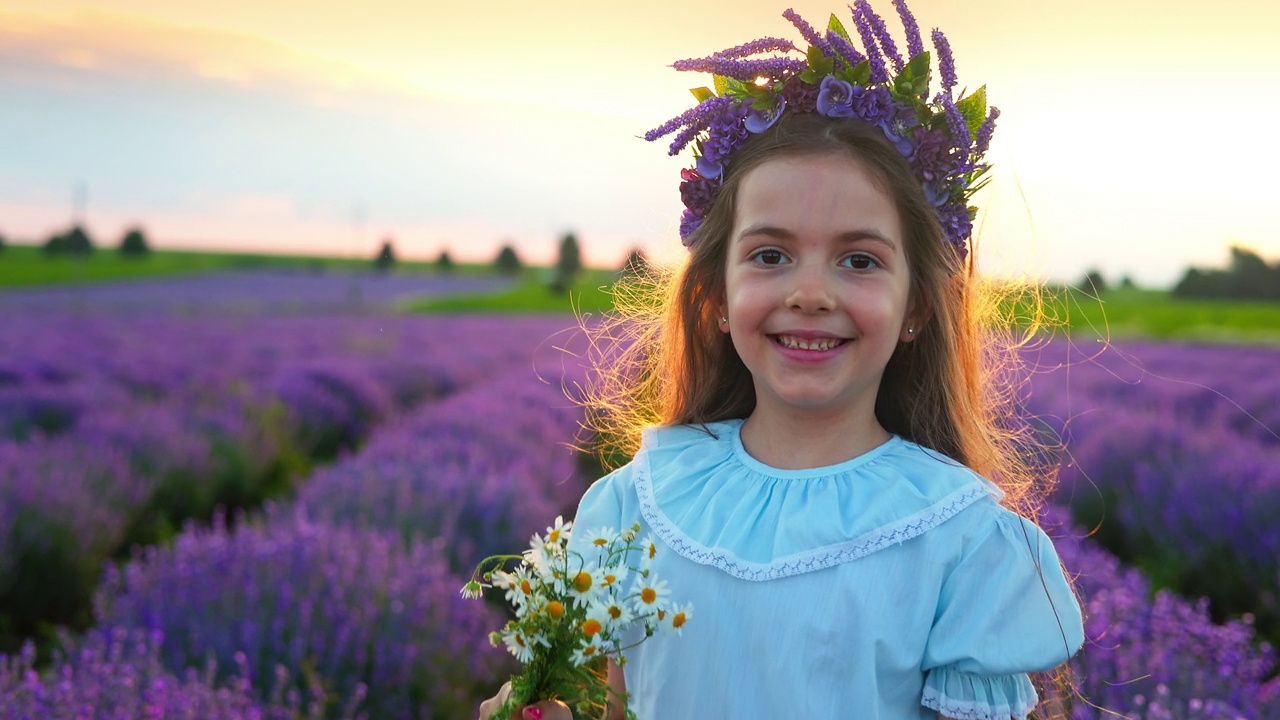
796,441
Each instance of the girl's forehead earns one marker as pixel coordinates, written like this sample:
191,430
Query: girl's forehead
826,195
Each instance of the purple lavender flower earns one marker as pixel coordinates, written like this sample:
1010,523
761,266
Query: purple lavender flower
915,45
874,55
698,115
984,132
844,49
959,134
883,38
835,97
946,63
755,47
747,70
808,33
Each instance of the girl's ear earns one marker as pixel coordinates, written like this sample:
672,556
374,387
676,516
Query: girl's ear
915,321
722,316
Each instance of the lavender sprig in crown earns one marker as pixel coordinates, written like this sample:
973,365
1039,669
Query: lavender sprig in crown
943,138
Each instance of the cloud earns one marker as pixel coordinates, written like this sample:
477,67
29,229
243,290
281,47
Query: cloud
89,47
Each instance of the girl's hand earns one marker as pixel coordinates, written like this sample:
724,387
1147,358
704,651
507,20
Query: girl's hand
541,710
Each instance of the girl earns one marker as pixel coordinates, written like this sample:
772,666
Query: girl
830,467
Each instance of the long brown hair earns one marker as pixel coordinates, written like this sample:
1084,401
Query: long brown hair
663,361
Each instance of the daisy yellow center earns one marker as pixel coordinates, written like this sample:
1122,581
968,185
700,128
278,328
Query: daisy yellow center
615,612
525,587
678,620
600,541
653,550
582,582
591,627
520,640
608,579
662,614
648,595
555,609
554,536
588,651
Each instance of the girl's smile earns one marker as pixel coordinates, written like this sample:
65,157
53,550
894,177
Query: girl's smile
817,287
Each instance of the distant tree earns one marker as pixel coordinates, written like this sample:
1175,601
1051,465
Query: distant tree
77,241
444,263
1127,282
134,244
568,264
386,258
56,244
1,243
507,262
1093,283
636,264
1248,277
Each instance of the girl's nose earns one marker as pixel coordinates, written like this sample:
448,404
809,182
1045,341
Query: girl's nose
811,292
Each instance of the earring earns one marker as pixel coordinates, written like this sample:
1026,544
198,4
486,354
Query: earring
724,320
911,331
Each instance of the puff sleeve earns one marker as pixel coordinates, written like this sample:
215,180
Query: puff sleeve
1004,610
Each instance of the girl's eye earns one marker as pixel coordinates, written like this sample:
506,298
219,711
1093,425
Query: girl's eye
770,257
860,262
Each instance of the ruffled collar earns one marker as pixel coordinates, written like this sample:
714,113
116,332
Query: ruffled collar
715,504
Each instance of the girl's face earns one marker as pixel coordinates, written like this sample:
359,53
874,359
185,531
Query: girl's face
816,286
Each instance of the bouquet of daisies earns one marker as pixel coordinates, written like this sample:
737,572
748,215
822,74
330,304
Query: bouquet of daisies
573,610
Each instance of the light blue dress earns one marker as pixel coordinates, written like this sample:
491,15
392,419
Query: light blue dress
887,587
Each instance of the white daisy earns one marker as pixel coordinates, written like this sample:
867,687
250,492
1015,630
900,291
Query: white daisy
583,586
648,549
521,644
585,652
558,534
677,616
649,595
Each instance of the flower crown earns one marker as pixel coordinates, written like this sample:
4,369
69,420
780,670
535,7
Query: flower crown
943,139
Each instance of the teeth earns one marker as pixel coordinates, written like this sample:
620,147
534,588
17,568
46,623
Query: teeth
796,343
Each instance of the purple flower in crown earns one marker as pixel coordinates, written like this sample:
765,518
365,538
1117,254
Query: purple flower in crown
760,120
835,97
697,192
898,125
873,104
932,161
726,135
800,95
956,225
689,222
934,193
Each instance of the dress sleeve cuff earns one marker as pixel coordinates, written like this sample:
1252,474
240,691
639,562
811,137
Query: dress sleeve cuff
966,696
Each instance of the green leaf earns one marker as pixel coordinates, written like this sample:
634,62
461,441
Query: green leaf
974,109
819,63
734,87
721,84
919,65
703,94
835,26
861,73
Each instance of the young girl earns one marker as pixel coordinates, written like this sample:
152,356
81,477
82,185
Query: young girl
831,470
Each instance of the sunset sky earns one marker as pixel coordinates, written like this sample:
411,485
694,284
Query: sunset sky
1137,137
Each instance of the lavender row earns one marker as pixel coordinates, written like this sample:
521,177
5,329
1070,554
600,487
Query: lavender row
1172,460
119,429
357,580
1158,657
246,291
117,673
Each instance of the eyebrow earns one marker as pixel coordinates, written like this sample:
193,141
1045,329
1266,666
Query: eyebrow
846,236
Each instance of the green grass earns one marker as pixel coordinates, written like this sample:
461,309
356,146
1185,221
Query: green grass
1131,312
28,265
590,294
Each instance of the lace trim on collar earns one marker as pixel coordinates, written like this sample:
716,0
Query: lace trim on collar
802,562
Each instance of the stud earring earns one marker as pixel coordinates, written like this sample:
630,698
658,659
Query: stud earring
911,331
724,320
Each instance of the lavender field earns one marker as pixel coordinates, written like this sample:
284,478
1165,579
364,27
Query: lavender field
268,514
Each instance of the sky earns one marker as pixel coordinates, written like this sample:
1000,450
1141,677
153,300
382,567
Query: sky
1136,136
